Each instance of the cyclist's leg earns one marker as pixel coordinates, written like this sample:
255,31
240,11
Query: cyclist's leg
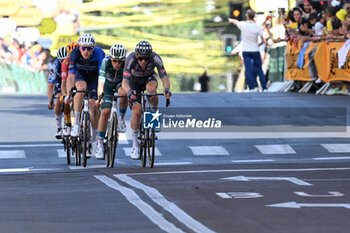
151,87
58,110
94,111
123,105
78,105
103,121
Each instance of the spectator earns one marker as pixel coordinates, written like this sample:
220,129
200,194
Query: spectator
251,55
204,81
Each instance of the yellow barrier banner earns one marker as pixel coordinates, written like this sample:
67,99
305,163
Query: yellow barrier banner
322,61
293,71
336,73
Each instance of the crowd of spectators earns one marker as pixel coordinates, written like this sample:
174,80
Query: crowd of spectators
315,20
30,56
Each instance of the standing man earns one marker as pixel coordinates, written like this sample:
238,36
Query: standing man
251,55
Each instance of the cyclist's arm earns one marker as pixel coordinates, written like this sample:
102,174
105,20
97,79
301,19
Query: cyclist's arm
64,75
102,77
50,90
71,70
161,71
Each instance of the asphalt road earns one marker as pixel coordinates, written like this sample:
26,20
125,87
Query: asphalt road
268,176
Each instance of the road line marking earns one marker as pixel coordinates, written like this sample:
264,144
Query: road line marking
12,154
275,149
244,170
330,158
61,153
253,161
145,208
208,150
172,208
337,148
299,205
87,167
14,170
290,179
29,145
173,163
127,151
123,139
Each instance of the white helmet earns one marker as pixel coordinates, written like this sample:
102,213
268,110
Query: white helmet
62,53
86,40
117,51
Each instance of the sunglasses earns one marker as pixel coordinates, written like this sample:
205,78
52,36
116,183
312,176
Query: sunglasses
143,58
87,48
119,61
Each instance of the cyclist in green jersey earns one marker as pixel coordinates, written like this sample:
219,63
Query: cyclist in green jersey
110,77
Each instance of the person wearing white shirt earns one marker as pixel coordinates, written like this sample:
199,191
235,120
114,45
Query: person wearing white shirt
251,55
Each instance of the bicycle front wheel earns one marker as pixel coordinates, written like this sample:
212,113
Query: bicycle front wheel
114,139
68,148
142,145
151,148
85,137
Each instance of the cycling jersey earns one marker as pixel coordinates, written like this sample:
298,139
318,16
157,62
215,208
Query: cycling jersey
64,67
86,70
108,72
112,79
55,76
132,68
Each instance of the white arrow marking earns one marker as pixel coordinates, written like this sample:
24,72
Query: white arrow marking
290,179
332,194
239,195
299,205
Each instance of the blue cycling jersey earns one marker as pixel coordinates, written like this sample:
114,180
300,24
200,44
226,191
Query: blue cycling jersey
87,69
55,73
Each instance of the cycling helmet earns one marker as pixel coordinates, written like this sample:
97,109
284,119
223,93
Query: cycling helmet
117,51
71,46
86,40
143,48
62,53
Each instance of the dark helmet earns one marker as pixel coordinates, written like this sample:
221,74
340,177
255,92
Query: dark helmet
143,48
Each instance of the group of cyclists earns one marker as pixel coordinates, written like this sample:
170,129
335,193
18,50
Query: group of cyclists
84,67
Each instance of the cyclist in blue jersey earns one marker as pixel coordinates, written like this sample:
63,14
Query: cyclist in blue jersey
139,75
84,65
54,87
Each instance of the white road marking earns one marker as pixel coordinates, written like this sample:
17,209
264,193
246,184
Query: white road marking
331,194
145,208
275,149
299,205
12,154
14,170
123,139
172,163
331,158
30,145
337,148
87,167
245,170
128,152
208,150
253,161
172,208
61,153
239,195
290,179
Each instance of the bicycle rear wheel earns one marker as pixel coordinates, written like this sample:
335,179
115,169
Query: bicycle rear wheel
142,145
68,148
85,136
114,139
151,148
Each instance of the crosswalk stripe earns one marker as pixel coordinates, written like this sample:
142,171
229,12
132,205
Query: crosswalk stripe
128,151
275,149
12,154
208,150
123,139
337,148
253,161
61,153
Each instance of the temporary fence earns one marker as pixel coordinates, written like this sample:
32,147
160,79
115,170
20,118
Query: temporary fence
17,79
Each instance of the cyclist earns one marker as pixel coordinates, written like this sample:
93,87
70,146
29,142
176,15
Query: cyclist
84,64
139,75
54,87
111,75
64,75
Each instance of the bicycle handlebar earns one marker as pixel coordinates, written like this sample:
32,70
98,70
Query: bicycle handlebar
155,94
